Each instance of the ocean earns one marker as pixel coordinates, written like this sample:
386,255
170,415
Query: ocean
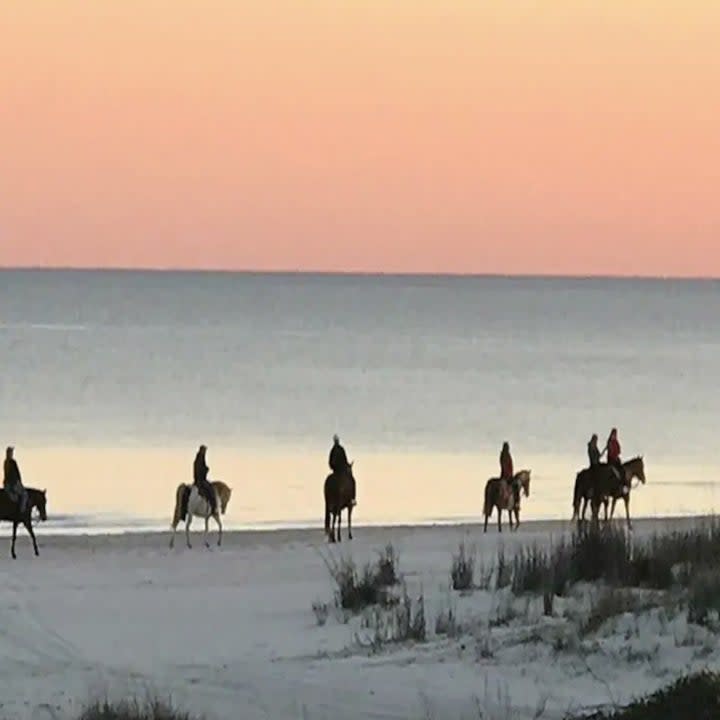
111,379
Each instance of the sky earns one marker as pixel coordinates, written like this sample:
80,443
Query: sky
460,136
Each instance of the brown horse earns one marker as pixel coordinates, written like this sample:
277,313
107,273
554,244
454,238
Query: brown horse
500,494
9,511
339,491
598,485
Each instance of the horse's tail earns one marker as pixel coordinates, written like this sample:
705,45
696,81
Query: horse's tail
326,493
576,497
487,506
180,511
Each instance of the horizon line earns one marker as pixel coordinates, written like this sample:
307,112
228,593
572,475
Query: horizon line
351,273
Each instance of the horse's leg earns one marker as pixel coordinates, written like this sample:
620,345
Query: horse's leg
339,532
583,522
173,527
28,526
188,522
207,526
499,518
612,508
12,546
219,522
350,509
626,498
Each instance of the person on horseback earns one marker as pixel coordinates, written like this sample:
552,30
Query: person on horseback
613,455
12,481
507,472
338,461
593,451
200,478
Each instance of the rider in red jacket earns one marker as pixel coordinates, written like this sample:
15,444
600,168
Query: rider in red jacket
613,452
506,463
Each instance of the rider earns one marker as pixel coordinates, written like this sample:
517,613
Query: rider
506,463
200,478
506,471
593,451
12,481
338,461
613,454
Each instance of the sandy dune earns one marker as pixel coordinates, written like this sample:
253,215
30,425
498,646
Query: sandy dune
230,632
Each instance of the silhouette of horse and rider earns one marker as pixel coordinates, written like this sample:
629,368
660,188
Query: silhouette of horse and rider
504,492
340,491
600,483
203,498
17,502
597,485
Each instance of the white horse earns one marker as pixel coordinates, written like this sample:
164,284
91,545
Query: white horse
189,502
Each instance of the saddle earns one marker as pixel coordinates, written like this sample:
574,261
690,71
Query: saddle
506,491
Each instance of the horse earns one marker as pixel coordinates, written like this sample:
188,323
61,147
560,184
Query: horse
339,491
600,483
189,502
499,493
9,511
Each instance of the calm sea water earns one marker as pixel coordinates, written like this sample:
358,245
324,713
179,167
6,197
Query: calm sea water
110,380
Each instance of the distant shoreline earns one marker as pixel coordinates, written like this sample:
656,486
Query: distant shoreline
314,273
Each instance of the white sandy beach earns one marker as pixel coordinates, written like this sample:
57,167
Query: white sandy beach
230,632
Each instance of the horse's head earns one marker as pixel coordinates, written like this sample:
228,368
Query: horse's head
38,499
224,492
636,468
524,478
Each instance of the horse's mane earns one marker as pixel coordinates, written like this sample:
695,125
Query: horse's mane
637,458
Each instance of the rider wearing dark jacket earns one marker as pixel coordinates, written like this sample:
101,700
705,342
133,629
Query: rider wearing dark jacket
593,451
338,461
200,478
12,481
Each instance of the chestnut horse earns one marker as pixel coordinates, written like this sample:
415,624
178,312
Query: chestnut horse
500,494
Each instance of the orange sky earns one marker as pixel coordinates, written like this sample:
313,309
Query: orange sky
570,136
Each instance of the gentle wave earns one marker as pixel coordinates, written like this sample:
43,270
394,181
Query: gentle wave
57,327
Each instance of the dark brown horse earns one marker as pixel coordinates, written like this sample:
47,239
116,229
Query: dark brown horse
598,485
500,494
9,511
339,492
